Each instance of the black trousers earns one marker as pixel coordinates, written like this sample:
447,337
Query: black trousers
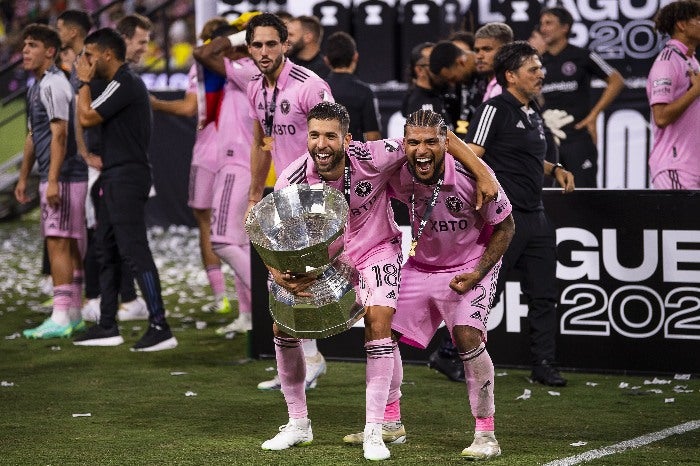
579,155
532,252
121,238
91,263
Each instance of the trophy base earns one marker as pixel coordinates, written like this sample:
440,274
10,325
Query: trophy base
313,322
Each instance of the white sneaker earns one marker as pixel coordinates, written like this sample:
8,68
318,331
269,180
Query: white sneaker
484,447
393,432
242,324
373,444
315,367
219,306
296,432
91,310
133,310
273,384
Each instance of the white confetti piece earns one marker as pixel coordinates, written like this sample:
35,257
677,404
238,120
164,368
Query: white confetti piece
553,393
178,373
669,400
623,385
655,390
501,374
200,325
55,348
593,384
270,368
580,443
188,393
5,383
82,414
681,377
682,389
14,336
656,381
527,393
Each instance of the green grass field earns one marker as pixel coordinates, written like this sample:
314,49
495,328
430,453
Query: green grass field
140,413
13,133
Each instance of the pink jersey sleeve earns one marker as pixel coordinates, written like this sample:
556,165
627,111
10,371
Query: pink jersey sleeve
314,91
240,72
663,79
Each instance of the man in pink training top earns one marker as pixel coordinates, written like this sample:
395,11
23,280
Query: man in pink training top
455,258
232,181
361,171
203,168
673,88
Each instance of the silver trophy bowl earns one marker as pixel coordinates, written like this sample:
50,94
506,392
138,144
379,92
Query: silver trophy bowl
300,229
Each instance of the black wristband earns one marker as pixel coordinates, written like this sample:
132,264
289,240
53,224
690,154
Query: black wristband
554,169
83,83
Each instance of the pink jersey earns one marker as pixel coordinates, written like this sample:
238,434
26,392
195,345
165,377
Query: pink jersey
235,125
204,150
492,89
455,234
298,90
193,88
371,233
676,145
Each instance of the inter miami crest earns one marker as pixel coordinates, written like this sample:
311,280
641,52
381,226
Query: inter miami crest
285,106
454,204
363,188
391,146
500,207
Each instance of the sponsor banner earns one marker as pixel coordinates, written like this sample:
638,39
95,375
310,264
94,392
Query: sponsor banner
621,32
628,275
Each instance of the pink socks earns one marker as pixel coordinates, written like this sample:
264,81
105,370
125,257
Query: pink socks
291,368
380,364
479,374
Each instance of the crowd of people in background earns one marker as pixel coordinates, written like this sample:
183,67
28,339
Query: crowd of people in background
309,118
16,14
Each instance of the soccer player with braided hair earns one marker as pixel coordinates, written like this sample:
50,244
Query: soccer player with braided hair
453,263
362,172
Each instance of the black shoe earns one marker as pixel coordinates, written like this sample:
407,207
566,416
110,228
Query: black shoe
453,368
546,374
158,337
99,336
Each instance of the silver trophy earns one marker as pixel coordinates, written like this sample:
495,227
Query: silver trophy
300,229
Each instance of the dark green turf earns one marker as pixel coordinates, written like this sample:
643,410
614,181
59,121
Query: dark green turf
140,414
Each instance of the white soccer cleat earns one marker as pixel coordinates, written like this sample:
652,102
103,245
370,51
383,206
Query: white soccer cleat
484,447
272,384
133,310
315,367
295,433
242,324
373,445
91,310
393,432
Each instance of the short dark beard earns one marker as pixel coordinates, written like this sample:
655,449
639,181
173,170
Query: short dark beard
338,158
437,173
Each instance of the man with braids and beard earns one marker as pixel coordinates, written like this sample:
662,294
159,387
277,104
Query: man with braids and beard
362,172
453,262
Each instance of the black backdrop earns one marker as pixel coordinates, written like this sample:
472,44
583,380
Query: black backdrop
629,269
